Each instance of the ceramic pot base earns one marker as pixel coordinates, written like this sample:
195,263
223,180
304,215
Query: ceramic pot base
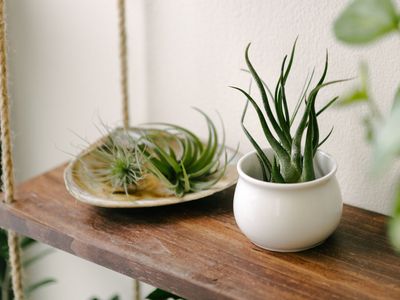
290,250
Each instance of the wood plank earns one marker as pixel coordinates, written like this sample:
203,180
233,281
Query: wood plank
195,249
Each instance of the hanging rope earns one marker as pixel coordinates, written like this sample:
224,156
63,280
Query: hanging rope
136,289
8,169
123,57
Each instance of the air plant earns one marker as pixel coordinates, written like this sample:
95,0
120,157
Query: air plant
117,163
181,161
173,155
292,162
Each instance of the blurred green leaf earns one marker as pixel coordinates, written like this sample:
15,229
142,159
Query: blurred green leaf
27,242
366,20
33,259
354,96
394,224
39,284
369,128
159,294
360,93
387,143
396,101
394,232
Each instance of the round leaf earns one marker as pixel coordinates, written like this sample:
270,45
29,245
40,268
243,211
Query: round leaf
366,20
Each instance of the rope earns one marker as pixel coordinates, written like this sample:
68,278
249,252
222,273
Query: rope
123,57
136,289
16,266
8,169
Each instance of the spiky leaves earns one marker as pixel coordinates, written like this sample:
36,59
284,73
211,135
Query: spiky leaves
191,165
293,162
116,163
168,153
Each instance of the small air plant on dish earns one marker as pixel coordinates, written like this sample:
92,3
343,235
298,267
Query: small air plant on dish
181,161
127,160
291,163
117,163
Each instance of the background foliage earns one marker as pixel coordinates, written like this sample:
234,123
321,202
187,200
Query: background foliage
363,22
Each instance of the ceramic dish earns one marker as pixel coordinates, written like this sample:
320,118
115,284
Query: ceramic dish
95,194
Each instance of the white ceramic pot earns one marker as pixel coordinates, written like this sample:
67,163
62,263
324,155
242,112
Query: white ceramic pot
287,217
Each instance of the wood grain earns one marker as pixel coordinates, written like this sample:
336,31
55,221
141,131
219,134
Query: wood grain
195,249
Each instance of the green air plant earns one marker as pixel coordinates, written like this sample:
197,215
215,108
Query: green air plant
117,162
292,162
128,160
181,161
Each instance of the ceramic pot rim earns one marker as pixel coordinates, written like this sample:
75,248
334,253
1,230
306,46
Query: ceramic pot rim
286,186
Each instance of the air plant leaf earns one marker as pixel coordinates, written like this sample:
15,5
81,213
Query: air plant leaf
302,96
278,148
116,163
275,173
364,21
290,165
195,167
325,138
265,163
267,107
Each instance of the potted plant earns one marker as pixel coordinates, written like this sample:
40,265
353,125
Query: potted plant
287,197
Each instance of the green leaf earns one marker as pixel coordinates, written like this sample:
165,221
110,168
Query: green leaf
36,257
159,294
270,115
302,96
369,128
360,93
308,173
394,223
27,242
396,101
387,143
355,96
279,150
364,21
266,164
325,138
275,173
326,106
40,284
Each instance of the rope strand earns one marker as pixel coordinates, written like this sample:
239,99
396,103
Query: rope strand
7,162
123,57
15,265
8,173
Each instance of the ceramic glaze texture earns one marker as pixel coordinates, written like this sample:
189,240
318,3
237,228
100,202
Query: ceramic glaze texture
287,217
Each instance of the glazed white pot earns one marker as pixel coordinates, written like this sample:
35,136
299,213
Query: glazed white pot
287,217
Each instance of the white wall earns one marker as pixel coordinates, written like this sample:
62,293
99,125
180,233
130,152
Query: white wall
196,48
64,75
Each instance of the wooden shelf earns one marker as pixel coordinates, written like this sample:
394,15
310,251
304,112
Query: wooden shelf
196,250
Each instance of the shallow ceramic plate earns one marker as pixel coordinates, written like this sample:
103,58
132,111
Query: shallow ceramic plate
95,194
